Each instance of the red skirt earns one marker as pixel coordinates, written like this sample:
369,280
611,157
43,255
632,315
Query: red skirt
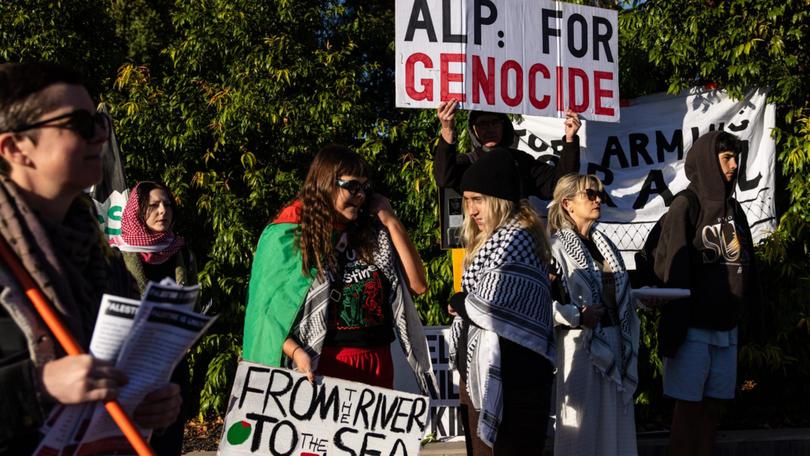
372,366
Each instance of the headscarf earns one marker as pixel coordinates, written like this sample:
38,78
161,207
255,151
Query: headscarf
153,247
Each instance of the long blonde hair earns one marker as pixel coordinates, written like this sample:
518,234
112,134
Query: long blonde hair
567,188
498,212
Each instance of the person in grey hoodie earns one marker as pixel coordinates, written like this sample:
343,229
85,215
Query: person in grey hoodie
488,130
715,260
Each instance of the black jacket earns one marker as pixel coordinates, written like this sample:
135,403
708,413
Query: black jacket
538,176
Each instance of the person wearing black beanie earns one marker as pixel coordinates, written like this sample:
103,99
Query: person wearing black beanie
502,344
495,174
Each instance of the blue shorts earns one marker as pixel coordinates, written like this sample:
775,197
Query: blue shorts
701,369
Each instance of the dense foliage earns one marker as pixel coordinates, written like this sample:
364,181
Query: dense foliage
227,102
737,45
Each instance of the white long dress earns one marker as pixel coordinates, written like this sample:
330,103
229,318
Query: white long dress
594,414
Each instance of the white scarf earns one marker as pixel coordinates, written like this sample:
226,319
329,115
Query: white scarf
582,279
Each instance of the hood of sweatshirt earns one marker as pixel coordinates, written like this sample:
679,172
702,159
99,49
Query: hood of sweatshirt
703,170
507,140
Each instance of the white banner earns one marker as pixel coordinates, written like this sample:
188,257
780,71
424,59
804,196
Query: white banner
535,57
640,160
277,411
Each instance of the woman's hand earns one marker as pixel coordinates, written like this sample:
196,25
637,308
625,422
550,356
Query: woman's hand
303,363
572,124
589,316
408,256
81,378
381,207
451,310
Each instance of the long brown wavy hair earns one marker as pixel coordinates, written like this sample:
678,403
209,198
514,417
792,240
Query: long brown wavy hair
317,229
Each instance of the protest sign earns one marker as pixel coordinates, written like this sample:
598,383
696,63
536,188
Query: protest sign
640,160
445,418
276,411
535,57
110,194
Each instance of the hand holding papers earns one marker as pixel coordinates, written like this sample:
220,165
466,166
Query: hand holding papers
146,339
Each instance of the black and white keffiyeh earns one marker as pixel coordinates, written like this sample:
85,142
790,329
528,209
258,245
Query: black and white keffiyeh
312,322
582,279
507,296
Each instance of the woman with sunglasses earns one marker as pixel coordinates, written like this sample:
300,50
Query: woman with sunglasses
51,144
597,327
152,252
332,278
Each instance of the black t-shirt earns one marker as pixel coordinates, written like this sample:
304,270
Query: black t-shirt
360,313
158,272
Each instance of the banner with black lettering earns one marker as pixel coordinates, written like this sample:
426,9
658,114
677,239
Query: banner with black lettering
275,411
535,57
641,159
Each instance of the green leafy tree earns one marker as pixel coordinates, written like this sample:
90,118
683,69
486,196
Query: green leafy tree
227,102
739,45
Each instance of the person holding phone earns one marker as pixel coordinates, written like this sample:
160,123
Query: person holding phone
331,283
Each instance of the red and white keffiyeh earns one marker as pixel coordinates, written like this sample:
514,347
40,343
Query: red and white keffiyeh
153,247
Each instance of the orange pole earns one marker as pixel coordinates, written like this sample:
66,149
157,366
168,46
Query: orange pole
69,344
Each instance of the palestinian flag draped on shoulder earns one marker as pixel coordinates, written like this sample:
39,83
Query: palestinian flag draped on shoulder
277,289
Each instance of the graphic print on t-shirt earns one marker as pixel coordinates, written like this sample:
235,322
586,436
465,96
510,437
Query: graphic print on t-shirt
358,296
722,244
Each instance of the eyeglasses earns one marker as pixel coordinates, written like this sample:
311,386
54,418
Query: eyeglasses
354,186
592,194
80,121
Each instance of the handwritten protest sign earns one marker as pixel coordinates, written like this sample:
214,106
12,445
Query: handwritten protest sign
535,57
278,412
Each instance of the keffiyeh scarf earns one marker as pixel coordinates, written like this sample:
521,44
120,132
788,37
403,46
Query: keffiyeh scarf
153,247
508,296
582,278
284,302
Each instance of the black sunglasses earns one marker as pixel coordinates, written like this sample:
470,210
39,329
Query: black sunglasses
592,194
80,121
354,187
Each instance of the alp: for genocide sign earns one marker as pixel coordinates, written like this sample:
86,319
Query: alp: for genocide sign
274,411
535,57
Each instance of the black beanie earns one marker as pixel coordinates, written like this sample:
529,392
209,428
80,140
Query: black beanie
494,174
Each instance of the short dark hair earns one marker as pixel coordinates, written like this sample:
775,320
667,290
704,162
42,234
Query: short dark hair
727,141
20,84
146,187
